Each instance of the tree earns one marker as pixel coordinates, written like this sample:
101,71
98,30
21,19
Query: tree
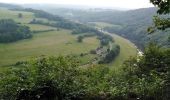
80,39
163,5
10,31
162,24
163,8
20,15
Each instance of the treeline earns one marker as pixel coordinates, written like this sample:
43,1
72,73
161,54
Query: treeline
10,31
112,53
81,37
61,78
76,27
105,39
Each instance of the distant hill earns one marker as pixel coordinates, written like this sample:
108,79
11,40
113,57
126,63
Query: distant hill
132,24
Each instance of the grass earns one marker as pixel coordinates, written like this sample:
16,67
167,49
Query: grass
56,43
52,43
27,16
37,27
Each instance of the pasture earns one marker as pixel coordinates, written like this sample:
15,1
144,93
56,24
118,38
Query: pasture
51,43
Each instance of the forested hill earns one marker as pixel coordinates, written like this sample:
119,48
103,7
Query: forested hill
131,24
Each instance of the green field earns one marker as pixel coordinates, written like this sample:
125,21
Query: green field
36,27
27,16
56,43
52,43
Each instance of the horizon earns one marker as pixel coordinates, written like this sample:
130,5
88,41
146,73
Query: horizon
130,4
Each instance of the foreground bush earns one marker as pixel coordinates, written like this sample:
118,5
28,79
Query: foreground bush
62,78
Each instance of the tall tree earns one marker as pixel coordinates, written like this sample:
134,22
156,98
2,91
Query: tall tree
163,8
162,24
20,15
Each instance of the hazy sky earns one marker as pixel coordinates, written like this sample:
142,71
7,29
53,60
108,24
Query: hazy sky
96,3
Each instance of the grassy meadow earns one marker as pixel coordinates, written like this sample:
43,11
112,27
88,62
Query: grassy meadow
26,16
52,43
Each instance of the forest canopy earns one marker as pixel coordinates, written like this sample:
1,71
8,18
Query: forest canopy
10,31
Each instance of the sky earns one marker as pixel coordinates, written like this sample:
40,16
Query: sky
131,4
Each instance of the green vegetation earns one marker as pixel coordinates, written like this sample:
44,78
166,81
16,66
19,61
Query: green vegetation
8,14
10,31
20,15
37,27
132,24
62,78
52,43
75,75
127,49
112,53
163,6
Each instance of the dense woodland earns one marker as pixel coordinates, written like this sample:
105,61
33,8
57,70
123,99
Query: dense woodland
112,53
11,31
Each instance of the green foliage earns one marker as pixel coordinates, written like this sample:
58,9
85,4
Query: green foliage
62,78
152,71
161,24
163,8
58,73
60,22
80,38
111,54
163,5
105,39
20,15
153,55
10,31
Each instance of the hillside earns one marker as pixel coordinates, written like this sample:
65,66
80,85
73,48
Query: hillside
49,41
130,24
82,55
